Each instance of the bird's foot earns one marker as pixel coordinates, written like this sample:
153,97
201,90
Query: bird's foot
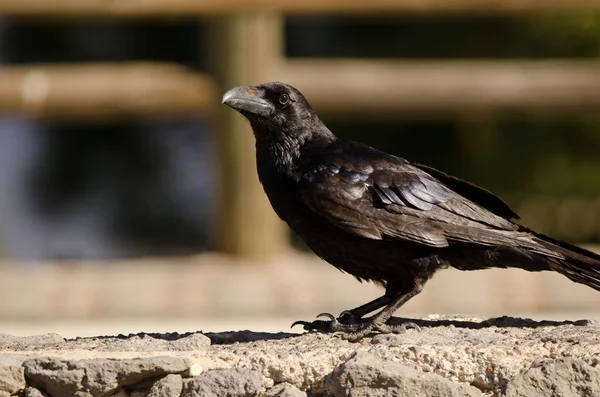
355,332
350,328
345,319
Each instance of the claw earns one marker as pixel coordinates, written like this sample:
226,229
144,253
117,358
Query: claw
346,313
327,315
412,326
334,324
318,325
302,323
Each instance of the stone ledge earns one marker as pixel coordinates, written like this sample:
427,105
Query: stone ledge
450,356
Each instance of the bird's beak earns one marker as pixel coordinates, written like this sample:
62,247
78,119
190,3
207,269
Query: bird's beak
248,100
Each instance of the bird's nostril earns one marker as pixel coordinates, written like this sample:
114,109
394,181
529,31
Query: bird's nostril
250,91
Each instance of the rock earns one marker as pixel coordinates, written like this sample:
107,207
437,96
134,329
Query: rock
169,386
33,392
364,374
194,370
285,390
105,375
37,342
97,377
485,354
143,342
562,377
388,339
191,342
12,375
223,382
58,378
120,393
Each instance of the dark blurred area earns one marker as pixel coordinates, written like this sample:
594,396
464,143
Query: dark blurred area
143,188
105,190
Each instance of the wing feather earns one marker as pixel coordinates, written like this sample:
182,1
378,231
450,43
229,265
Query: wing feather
380,196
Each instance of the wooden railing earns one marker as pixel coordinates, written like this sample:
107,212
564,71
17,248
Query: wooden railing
105,91
193,8
245,43
417,89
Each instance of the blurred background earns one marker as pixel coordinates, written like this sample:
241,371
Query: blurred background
128,195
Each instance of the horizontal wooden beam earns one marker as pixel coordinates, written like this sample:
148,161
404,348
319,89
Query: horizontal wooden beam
105,91
425,88
337,87
397,89
187,8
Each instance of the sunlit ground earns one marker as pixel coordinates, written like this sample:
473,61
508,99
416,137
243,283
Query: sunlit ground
98,327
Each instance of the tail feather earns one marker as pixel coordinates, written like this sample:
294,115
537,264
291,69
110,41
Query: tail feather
578,264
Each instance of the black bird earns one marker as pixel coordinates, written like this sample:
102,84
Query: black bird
381,218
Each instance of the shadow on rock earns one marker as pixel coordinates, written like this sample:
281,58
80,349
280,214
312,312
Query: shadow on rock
461,322
217,338
226,338
230,337
500,322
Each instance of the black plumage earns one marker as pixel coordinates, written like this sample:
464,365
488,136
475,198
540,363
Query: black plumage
381,218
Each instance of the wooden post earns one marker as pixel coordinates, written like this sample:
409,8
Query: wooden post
245,49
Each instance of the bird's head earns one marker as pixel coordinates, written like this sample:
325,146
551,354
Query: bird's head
275,110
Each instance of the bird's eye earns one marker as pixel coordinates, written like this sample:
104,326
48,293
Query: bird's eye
284,99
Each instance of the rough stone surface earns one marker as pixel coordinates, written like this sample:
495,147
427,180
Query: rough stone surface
54,376
449,355
12,375
365,375
33,392
285,390
37,342
562,377
96,377
143,342
169,386
224,382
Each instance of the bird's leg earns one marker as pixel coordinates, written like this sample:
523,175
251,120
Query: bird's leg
354,326
377,322
356,314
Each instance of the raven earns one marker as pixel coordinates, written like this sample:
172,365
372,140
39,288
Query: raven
382,218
